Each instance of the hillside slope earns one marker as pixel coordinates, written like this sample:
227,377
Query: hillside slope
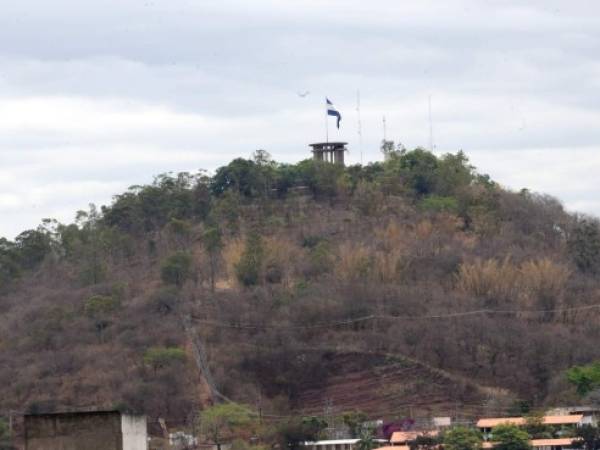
407,287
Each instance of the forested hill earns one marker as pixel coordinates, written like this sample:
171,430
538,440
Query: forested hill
411,283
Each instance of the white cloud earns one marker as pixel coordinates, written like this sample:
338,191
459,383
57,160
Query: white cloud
100,95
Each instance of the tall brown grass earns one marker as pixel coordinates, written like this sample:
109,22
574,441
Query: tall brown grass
495,281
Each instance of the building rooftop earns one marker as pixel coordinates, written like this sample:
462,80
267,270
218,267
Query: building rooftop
547,420
338,441
562,442
399,437
328,144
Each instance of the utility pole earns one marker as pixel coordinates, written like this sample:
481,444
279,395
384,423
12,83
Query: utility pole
384,130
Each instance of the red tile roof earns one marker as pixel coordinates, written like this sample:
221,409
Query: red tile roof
547,420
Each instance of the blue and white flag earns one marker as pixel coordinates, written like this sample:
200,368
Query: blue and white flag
331,111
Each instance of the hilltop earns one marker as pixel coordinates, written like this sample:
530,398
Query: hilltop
405,287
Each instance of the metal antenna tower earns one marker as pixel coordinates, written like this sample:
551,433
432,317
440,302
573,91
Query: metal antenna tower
360,146
430,127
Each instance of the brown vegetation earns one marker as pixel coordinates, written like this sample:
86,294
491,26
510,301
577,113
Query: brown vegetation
302,284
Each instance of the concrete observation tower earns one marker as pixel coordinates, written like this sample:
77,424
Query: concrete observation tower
332,152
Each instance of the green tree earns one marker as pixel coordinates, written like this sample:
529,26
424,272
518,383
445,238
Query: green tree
240,175
213,242
267,169
176,269
388,149
248,270
10,269
425,442
584,244
419,168
31,247
181,230
354,420
536,428
295,431
453,174
94,240
5,436
584,378
510,437
220,422
462,438
161,357
366,439
435,203
320,177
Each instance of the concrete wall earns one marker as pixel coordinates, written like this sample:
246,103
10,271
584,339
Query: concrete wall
85,431
134,430
78,431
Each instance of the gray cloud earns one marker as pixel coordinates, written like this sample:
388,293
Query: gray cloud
96,96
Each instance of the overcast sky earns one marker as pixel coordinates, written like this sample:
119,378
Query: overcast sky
98,95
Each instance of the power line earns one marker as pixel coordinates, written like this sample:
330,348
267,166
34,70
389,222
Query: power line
452,315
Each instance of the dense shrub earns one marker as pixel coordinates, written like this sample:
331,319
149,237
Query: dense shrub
176,269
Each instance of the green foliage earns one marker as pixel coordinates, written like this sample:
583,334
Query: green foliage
240,444
354,420
320,259
10,270
535,427
366,439
510,437
241,175
294,432
388,149
4,432
213,242
249,267
425,442
367,198
453,174
462,438
180,227
176,269
32,247
145,208
90,243
161,357
584,378
584,245
227,208
416,168
212,239
223,420
320,177
435,203
424,174
101,305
